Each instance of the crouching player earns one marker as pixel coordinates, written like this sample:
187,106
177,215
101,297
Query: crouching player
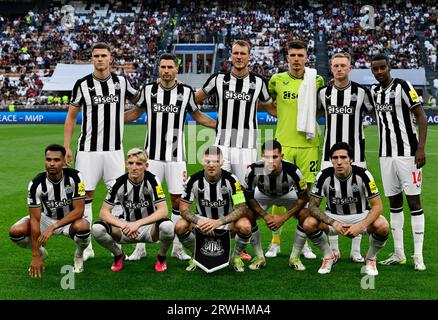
274,181
348,188
144,213
220,203
56,200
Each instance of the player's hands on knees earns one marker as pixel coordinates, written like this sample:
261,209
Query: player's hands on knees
339,227
131,230
209,226
36,268
352,230
271,222
42,239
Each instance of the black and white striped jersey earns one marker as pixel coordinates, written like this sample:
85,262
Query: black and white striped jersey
396,122
346,196
344,112
237,107
166,111
56,198
103,104
138,200
290,178
213,200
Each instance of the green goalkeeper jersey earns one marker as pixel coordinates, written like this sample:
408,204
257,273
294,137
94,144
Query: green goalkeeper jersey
284,88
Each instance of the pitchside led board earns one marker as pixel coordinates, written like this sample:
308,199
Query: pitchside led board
212,253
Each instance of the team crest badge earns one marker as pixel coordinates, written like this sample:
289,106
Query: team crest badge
252,86
212,253
392,94
224,189
117,86
145,190
355,187
68,190
180,97
354,97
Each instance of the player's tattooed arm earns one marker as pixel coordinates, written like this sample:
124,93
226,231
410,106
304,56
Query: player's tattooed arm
254,205
316,212
190,216
238,213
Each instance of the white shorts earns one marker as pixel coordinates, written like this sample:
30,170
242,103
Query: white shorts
346,219
237,160
46,222
175,174
143,236
400,174
288,200
106,165
328,164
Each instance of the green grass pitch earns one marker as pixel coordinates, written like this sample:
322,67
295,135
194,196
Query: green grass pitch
21,150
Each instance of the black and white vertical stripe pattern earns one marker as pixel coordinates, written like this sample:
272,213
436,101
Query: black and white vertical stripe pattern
55,198
344,111
166,112
103,105
138,200
346,196
397,132
213,200
290,178
237,107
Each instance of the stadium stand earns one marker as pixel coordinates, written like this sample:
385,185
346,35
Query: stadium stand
32,44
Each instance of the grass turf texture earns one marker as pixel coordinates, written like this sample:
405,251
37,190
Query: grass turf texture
21,150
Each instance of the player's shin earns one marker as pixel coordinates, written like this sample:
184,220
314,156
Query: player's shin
397,222
334,242
166,235
417,220
242,240
256,241
82,240
102,234
376,243
188,240
299,241
319,239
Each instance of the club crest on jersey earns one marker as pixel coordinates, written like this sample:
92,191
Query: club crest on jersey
117,86
146,190
252,86
392,94
180,97
224,189
353,97
105,99
212,247
68,190
355,187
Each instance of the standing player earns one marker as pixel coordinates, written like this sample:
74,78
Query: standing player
101,97
144,213
348,189
166,104
237,93
345,102
220,203
401,155
56,206
290,90
273,181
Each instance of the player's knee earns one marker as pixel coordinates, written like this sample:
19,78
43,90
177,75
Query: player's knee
81,226
243,226
414,202
382,226
166,230
310,224
182,226
100,229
